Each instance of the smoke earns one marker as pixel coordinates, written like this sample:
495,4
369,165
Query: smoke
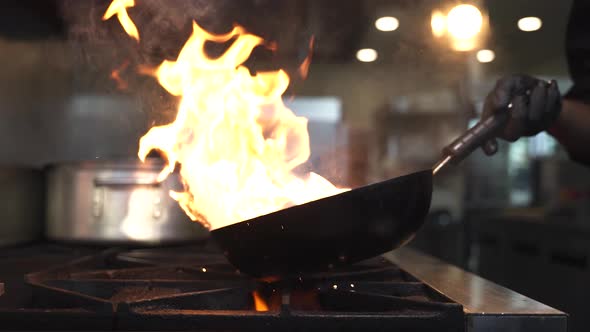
98,47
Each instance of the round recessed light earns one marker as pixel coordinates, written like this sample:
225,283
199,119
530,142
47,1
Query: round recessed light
387,23
530,23
366,55
464,21
485,56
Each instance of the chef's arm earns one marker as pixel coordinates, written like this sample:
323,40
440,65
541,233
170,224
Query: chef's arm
572,126
572,129
536,106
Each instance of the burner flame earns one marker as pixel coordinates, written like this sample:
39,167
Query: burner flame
259,303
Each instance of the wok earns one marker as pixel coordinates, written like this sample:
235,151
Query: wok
348,227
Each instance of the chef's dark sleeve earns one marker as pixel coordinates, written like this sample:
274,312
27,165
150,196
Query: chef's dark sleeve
578,51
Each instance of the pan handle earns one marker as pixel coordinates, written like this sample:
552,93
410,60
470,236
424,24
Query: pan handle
472,139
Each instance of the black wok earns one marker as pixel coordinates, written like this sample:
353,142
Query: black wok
347,227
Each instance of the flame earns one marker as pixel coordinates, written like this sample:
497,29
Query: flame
237,143
116,76
259,303
304,67
119,8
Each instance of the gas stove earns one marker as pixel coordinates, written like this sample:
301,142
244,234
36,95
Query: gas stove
57,287
49,287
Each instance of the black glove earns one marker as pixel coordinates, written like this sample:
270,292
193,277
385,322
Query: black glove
535,106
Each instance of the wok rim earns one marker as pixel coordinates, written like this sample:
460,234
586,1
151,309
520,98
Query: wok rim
354,191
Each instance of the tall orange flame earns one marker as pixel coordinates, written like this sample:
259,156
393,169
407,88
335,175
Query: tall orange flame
119,8
237,143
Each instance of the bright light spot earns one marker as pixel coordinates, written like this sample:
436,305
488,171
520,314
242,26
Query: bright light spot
530,23
464,21
366,55
204,269
335,286
387,23
438,22
485,56
351,285
463,45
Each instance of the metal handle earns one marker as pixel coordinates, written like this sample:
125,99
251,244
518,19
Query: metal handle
126,181
475,137
472,139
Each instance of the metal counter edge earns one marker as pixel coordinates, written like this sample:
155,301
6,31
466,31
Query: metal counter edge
487,306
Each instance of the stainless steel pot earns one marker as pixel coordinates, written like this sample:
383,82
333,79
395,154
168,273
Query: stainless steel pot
116,201
21,205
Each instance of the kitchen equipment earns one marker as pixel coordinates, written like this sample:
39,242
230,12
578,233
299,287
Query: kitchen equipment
21,204
347,227
193,288
116,201
178,290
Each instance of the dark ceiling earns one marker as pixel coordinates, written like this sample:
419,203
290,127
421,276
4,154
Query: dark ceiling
340,27
30,19
530,51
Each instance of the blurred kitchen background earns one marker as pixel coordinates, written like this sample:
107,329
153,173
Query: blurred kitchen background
390,83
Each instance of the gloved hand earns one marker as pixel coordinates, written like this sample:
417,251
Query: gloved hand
536,104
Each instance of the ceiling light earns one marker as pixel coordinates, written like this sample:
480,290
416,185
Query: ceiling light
485,56
464,45
438,22
387,23
464,21
530,23
366,55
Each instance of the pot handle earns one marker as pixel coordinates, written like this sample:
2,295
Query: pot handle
126,181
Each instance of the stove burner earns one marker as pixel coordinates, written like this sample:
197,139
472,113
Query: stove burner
195,288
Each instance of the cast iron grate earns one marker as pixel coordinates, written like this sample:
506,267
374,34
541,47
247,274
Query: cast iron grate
191,288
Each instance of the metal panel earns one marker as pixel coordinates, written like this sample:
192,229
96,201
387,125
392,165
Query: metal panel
489,307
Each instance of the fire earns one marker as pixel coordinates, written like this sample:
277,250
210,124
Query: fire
237,143
116,76
259,303
304,67
119,8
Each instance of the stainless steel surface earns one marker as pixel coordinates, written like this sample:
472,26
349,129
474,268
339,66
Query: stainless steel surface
21,205
440,165
116,201
488,306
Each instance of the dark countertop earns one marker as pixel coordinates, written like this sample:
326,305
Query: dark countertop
535,217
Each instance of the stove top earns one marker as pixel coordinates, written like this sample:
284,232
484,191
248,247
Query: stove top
56,287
